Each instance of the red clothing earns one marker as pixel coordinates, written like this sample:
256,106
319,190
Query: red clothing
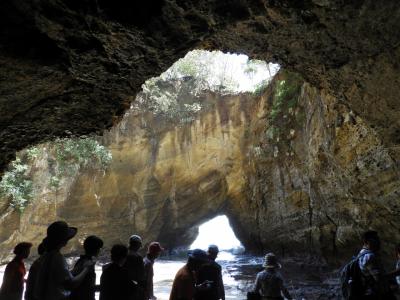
184,285
13,281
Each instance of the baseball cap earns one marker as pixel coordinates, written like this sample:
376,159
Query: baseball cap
135,239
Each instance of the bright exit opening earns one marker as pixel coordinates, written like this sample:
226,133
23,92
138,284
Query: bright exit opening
217,231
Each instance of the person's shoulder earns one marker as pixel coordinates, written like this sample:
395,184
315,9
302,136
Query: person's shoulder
55,255
367,256
81,260
134,258
262,273
37,262
366,252
183,271
146,260
106,267
14,264
134,255
55,258
215,265
278,275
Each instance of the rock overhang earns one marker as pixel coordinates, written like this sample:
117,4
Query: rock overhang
71,68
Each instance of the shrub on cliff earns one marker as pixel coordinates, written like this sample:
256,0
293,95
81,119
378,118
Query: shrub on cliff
68,156
16,185
65,158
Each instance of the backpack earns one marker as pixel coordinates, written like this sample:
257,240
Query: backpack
253,296
351,281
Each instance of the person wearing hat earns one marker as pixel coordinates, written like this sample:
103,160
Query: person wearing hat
135,266
184,285
211,272
153,252
269,283
32,275
13,280
86,290
54,280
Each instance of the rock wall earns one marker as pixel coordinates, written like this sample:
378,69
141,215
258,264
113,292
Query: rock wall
305,176
319,183
165,179
73,67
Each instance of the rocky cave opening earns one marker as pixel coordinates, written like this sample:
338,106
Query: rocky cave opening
217,231
177,157
315,164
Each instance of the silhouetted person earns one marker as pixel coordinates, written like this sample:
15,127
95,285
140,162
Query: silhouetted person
211,272
184,285
374,279
115,282
135,266
153,252
13,280
87,289
395,275
269,283
33,272
54,280
398,267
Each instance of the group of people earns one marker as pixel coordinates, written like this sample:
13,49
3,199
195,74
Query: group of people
128,276
363,278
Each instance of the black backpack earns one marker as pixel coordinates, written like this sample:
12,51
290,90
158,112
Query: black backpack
351,281
253,296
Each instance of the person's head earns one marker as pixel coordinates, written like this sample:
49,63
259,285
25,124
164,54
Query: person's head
196,258
135,243
22,250
398,251
271,262
118,254
154,249
92,245
212,252
371,240
58,235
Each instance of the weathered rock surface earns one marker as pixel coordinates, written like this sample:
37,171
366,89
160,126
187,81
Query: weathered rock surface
305,176
72,67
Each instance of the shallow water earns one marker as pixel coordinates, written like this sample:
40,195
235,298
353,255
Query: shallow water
304,281
165,270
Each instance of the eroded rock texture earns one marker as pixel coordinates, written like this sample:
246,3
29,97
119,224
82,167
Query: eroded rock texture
295,174
72,67
165,179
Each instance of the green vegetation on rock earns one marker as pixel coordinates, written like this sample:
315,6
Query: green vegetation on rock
284,112
65,158
174,94
71,155
16,185
286,93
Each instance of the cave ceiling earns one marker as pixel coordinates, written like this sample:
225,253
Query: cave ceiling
72,67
